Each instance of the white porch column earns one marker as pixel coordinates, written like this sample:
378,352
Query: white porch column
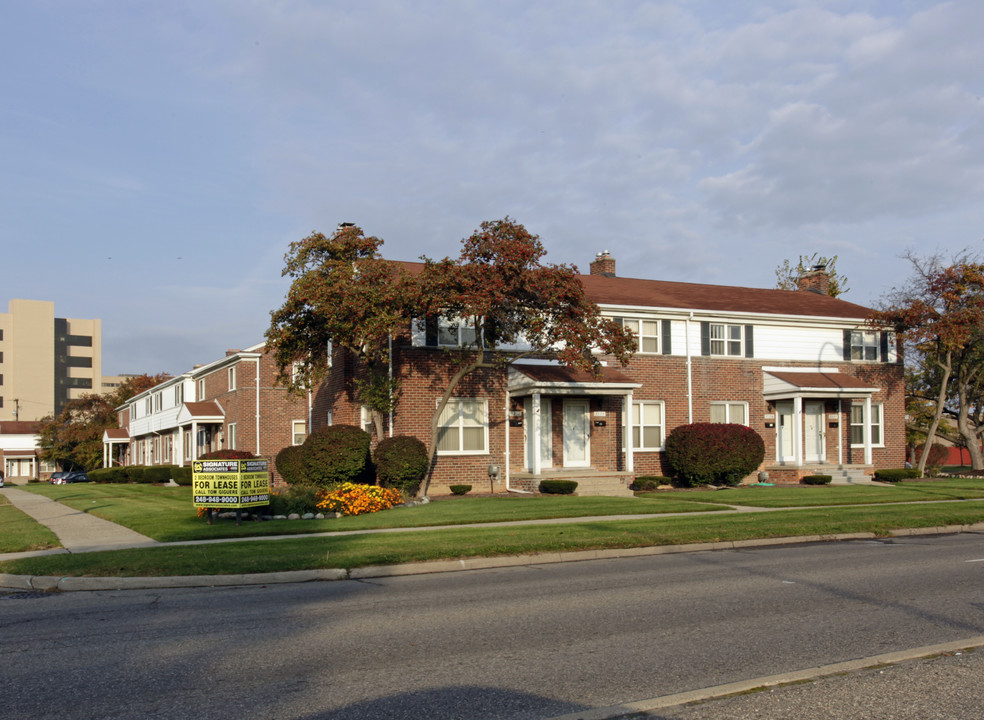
194,440
798,431
629,457
180,447
535,444
106,453
867,430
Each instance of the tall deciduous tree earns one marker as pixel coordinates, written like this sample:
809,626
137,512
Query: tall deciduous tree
940,312
787,275
345,293
73,437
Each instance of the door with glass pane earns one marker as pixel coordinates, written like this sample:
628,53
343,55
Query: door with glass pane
784,432
814,443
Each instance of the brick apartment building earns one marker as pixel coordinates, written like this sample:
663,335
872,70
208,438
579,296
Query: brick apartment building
231,403
803,369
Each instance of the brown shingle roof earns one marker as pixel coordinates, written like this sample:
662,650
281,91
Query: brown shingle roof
209,408
117,433
561,374
696,296
20,427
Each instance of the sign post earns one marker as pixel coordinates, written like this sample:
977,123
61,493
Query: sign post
230,484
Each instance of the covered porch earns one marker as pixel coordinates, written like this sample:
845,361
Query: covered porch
809,411
569,425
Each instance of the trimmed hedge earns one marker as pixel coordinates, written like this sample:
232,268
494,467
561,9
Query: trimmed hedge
558,487
135,473
182,475
896,474
649,482
158,474
290,464
817,479
401,463
719,453
337,454
459,489
100,475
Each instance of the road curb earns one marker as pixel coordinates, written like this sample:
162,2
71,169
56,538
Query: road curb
69,584
642,707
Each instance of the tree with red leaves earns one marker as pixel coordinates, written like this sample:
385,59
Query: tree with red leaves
73,438
940,314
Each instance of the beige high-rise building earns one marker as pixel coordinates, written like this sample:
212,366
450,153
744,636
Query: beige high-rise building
45,360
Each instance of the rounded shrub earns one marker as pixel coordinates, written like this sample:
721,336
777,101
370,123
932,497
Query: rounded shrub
558,487
100,475
459,489
895,474
718,453
135,473
182,475
290,464
337,454
158,474
401,463
816,479
649,482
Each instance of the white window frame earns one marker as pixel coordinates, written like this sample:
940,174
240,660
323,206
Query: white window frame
158,401
201,389
856,422
728,405
294,433
647,332
232,377
865,345
727,340
178,395
458,424
231,436
638,427
455,330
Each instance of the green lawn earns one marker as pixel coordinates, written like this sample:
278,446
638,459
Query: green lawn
21,532
828,495
166,513
462,542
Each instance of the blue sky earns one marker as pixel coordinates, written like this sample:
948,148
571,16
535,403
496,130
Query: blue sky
159,157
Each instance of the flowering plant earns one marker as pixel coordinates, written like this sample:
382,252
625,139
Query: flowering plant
356,499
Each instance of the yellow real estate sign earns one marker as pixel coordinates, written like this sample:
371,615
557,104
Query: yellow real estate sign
230,483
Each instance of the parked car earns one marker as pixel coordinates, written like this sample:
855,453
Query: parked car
63,478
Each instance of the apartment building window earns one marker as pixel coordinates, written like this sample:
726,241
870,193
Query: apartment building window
647,426
864,345
231,436
232,378
455,333
168,442
1,378
463,428
857,425
1,356
298,431
187,444
178,395
729,412
201,390
646,333
148,408
158,401
1,401
727,340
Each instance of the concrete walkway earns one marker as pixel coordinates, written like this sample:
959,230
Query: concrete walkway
76,530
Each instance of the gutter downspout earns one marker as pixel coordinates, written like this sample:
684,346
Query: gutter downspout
390,340
690,375
258,407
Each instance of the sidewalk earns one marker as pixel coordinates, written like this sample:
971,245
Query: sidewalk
76,530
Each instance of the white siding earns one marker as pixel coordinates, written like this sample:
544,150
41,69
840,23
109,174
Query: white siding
797,343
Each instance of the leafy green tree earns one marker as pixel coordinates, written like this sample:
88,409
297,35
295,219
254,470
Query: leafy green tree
73,438
787,274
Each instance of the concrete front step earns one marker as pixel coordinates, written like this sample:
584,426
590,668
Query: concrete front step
842,474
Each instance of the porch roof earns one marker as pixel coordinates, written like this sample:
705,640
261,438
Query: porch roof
778,385
10,453
526,379
116,435
208,411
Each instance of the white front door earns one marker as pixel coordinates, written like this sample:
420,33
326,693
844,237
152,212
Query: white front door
784,432
546,433
577,433
814,449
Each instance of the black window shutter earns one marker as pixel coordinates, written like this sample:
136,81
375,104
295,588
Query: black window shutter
847,345
883,339
431,331
749,344
705,337
664,339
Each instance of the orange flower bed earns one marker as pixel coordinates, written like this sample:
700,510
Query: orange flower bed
355,499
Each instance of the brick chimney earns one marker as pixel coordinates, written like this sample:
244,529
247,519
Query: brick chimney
815,280
232,351
603,264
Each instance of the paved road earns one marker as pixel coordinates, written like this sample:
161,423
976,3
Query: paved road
529,642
